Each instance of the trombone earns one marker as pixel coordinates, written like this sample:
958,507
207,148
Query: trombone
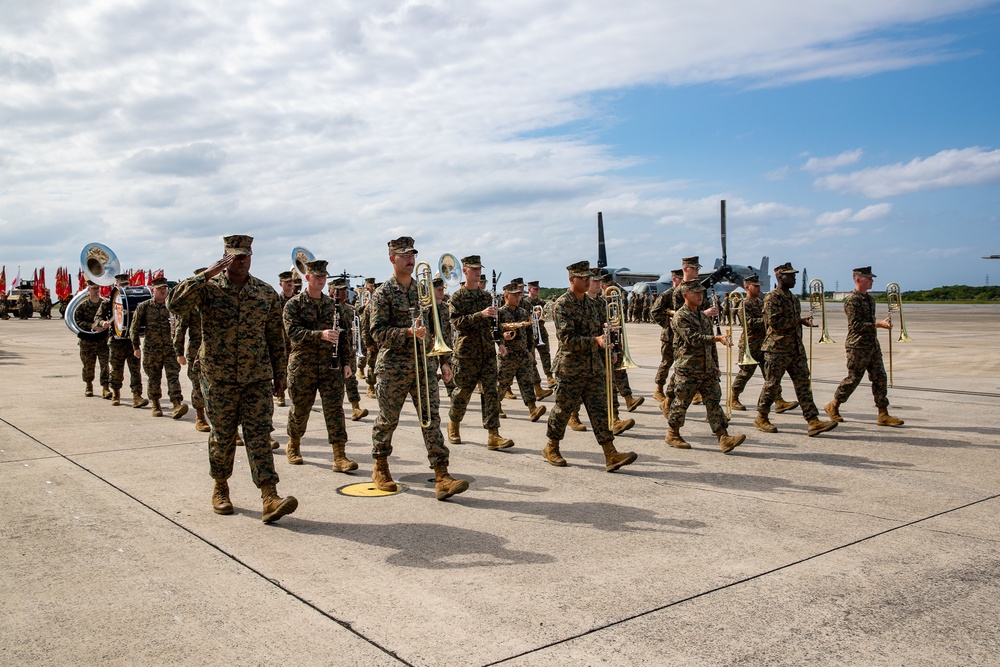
425,293
736,313
817,302
895,301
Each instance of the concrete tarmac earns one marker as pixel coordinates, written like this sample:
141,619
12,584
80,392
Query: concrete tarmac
863,546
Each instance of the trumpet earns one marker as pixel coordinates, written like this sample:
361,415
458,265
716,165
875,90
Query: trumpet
817,301
425,293
537,314
895,302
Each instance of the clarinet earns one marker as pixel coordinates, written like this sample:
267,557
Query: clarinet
335,360
497,334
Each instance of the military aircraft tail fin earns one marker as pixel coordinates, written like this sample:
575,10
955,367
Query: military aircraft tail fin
602,253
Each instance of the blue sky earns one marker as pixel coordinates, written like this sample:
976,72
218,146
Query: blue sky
841,133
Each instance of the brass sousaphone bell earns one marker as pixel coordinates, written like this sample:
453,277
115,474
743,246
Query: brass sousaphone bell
301,257
100,266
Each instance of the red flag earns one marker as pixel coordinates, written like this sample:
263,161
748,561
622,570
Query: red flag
149,276
63,288
40,285
34,287
105,291
3,280
81,280
157,274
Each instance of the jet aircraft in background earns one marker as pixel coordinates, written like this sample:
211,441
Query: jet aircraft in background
724,277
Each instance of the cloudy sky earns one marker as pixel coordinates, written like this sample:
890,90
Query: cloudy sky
840,132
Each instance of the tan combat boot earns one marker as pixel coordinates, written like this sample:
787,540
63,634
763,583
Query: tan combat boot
885,419
734,402
454,434
500,413
370,392
138,401
116,397
697,400
89,389
220,498
509,395
445,486
613,459
105,392
658,393
357,412
200,422
621,425
550,381
180,409
382,478
816,426
292,451
728,443
541,393
575,423
552,455
631,402
674,439
833,410
764,424
781,405
340,461
535,411
275,506
157,410
280,401
496,441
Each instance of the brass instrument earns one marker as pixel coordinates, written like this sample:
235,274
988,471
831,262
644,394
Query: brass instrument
615,344
425,293
895,302
514,326
100,265
537,313
817,301
450,270
301,257
364,297
734,300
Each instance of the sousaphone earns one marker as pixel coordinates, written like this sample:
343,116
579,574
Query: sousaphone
301,257
100,266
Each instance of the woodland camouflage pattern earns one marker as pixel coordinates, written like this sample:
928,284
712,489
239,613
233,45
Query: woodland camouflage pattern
784,352
517,363
475,357
864,353
696,368
94,347
157,348
120,353
190,326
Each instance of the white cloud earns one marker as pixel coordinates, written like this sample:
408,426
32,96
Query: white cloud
334,125
831,163
847,215
947,169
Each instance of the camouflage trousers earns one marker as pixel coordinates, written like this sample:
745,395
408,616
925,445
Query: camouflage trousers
570,393
519,367
94,352
543,351
228,406
155,364
351,383
468,373
620,379
858,363
122,354
392,390
303,385
371,377
194,374
666,360
776,364
685,387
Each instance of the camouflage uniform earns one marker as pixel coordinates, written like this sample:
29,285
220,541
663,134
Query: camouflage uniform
93,347
45,307
157,349
190,325
517,362
542,346
312,366
370,344
669,392
475,357
24,307
784,351
864,353
347,324
3,307
390,318
754,326
696,368
579,365
662,314
120,352
242,352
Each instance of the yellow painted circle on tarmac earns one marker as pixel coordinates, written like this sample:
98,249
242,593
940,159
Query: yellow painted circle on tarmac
367,490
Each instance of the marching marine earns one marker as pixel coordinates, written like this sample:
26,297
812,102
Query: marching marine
120,353
152,321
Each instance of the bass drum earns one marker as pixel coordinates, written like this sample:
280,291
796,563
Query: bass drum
124,301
